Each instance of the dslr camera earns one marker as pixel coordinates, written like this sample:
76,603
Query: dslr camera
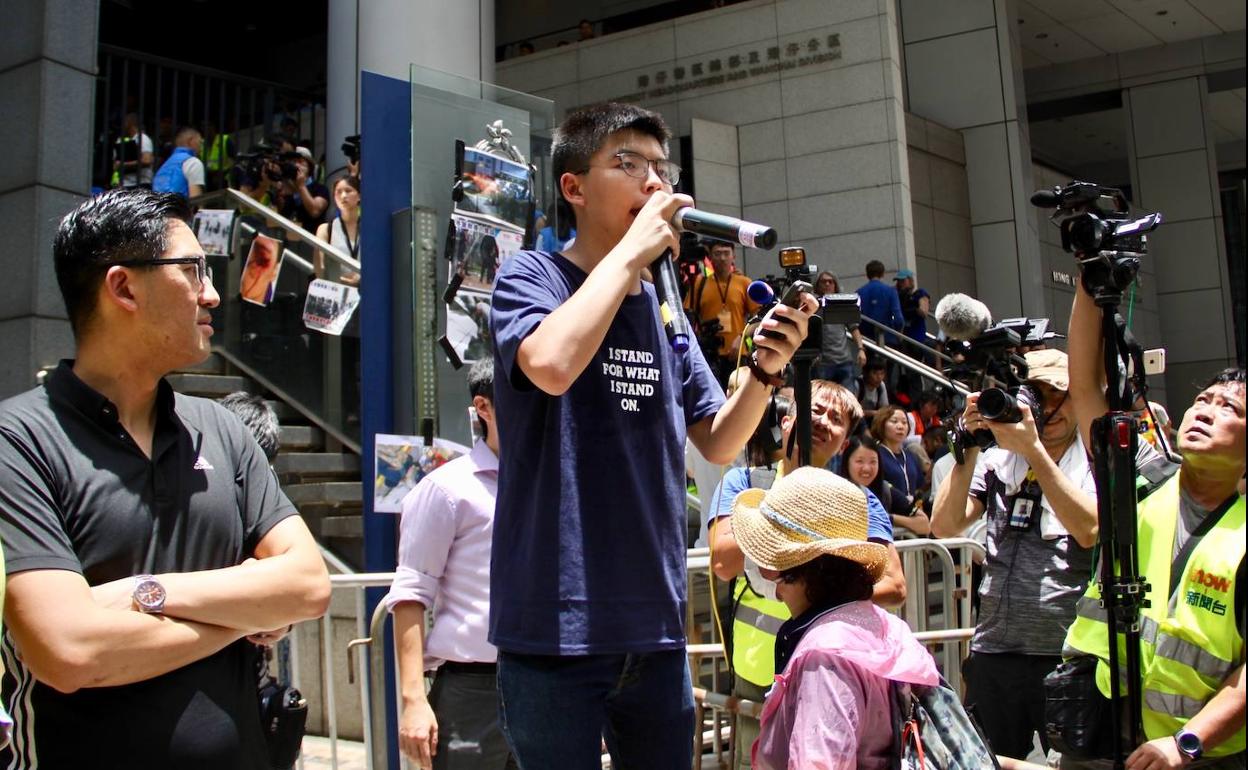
993,367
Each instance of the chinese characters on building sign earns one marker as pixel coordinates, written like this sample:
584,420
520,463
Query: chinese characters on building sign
734,67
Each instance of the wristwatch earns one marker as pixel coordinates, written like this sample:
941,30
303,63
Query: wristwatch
1189,744
770,380
149,594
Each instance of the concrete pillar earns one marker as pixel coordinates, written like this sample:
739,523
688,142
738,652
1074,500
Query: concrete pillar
963,70
1174,171
387,37
47,87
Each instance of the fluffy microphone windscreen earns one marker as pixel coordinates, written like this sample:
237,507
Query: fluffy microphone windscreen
961,317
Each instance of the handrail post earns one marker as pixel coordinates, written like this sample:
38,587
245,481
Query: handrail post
327,677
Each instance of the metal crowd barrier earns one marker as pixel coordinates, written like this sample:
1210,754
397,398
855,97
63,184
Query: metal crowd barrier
954,601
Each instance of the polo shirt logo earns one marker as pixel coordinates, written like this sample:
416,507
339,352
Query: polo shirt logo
202,465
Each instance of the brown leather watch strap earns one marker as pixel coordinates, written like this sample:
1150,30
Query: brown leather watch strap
772,380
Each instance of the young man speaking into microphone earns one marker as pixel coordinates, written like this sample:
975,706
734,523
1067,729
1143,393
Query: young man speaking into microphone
587,578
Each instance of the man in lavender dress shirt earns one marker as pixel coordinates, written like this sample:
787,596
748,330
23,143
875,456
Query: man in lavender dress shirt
444,564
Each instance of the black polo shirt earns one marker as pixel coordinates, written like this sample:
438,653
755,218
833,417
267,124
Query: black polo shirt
77,493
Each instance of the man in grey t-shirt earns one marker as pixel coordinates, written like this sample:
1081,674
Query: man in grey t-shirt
842,354
1036,493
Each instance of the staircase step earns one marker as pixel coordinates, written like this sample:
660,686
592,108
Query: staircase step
301,437
326,492
344,527
285,412
305,466
209,385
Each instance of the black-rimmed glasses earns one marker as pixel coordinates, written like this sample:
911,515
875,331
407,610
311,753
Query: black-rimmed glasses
203,273
638,166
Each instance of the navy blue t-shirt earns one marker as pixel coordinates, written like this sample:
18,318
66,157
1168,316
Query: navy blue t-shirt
589,528
902,470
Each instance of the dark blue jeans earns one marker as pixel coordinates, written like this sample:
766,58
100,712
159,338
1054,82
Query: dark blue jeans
555,710
841,374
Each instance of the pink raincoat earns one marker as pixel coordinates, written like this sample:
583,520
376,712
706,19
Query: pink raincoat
830,709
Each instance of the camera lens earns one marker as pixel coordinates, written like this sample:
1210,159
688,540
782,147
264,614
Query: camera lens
998,406
1087,233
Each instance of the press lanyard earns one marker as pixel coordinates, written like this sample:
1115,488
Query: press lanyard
351,247
902,462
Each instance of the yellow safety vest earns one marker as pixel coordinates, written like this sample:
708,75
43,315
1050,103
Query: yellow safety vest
754,628
756,622
1188,648
216,158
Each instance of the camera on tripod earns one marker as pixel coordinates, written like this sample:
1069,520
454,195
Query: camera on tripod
1097,227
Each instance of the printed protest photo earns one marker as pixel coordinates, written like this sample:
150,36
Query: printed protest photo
468,325
402,461
480,250
213,228
264,262
329,306
495,187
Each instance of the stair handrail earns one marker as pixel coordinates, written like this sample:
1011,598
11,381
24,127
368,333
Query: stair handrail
916,366
927,349
294,403
246,201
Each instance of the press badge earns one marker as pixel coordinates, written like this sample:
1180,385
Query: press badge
1026,507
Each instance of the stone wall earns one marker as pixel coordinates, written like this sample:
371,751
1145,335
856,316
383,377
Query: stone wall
814,91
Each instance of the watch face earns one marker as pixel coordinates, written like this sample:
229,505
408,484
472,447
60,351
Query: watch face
1189,744
149,594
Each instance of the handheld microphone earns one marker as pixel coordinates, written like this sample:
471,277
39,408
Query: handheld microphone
691,220
961,317
760,292
671,311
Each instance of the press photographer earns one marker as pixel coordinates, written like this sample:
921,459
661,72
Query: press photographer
1190,542
720,303
1034,488
259,172
302,198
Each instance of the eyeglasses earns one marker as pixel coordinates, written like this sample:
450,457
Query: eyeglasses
638,166
203,273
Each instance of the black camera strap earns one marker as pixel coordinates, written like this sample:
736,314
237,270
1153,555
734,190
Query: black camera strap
1179,565
697,300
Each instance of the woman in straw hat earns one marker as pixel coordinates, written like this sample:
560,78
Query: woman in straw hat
835,659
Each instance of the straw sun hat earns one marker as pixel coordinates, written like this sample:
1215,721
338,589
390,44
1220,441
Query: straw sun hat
808,513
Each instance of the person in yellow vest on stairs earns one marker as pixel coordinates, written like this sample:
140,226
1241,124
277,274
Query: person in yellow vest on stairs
1191,553
758,613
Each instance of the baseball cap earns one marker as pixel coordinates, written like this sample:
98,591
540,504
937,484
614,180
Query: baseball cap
305,153
903,274
1048,366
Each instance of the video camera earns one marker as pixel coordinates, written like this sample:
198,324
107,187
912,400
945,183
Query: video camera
351,148
991,359
1097,228
263,162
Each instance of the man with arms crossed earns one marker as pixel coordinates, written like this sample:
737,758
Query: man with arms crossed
444,565
587,579
146,538
1190,541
